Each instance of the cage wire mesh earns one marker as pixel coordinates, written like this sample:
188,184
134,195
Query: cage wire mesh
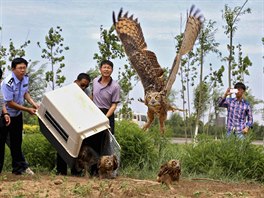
111,147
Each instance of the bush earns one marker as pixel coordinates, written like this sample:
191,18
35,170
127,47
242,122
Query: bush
38,152
30,129
137,147
142,153
229,157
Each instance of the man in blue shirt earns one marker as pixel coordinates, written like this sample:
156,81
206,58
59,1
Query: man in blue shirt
239,111
15,91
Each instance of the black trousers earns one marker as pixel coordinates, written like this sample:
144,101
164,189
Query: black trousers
62,167
3,135
14,130
97,141
111,120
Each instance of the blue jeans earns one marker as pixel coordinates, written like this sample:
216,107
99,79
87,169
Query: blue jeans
239,134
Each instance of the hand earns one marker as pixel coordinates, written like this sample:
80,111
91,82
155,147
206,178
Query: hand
32,111
36,105
227,93
245,130
7,119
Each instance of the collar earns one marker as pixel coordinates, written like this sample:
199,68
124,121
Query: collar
110,82
242,100
16,79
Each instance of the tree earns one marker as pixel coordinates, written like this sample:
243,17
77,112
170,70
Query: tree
3,55
200,103
232,17
36,81
125,80
37,86
207,44
240,69
188,74
253,101
19,52
109,46
263,74
53,53
11,53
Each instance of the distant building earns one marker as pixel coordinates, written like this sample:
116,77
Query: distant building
220,121
138,118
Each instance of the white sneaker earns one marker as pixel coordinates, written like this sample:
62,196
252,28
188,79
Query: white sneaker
29,171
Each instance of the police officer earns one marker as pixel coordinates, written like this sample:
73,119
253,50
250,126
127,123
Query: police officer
15,91
5,121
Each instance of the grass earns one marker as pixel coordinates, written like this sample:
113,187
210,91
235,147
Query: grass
143,154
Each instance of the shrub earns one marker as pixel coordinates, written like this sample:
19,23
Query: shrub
137,147
142,153
229,157
30,129
38,151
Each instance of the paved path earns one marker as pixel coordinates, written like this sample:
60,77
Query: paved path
189,140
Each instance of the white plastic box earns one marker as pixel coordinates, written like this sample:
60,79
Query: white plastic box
67,116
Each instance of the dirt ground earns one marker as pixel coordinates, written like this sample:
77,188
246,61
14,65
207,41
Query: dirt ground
67,186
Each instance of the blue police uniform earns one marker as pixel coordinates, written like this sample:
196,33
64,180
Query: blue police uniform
2,135
14,90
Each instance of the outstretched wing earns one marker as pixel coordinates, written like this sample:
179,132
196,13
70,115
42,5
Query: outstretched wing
144,61
192,29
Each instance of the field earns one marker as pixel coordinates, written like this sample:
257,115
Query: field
54,186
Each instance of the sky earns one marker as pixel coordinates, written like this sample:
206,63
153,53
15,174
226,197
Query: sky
80,21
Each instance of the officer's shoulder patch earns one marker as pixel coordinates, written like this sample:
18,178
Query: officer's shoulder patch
10,81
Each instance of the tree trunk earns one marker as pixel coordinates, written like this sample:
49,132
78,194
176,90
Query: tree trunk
230,56
200,94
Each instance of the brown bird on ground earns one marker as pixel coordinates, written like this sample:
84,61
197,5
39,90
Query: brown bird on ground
169,172
107,164
86,158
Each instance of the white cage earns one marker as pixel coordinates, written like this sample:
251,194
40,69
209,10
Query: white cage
67,116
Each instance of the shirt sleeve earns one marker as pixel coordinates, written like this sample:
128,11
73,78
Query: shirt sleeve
249,117
116,94
223,102
1,101
7,92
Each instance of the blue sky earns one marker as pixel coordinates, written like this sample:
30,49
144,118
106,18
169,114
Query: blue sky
160,21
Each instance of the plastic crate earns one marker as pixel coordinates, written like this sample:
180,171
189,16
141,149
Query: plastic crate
67,116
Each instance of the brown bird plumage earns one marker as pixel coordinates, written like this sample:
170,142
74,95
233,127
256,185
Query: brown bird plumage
107,164
145,62
86,158
169,172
